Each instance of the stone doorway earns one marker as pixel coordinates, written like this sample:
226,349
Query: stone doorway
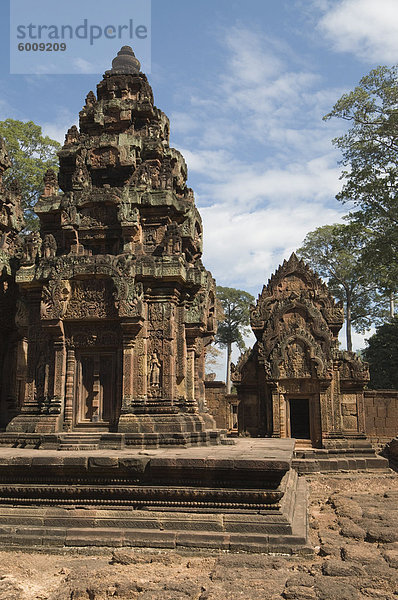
95,390
300,427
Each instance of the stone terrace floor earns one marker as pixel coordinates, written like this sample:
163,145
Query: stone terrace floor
353,529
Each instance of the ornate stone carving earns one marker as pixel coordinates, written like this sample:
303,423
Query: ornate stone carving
90,299
80,176
31,248
90,99
55,298
50,183
155,371
49,246
72,135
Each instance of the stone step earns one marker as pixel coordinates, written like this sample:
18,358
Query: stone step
325,453
88,436
341,463
70,446
108,518
79,441
41,538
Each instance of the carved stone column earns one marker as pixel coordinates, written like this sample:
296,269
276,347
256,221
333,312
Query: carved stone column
168,371
190,375
142,374
283,408
361,412
69,388
276,428
181,358
169,354
57,401
325,410
55,329
22,363
128,373
336,428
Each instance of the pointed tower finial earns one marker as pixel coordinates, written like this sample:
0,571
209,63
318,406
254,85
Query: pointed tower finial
125,62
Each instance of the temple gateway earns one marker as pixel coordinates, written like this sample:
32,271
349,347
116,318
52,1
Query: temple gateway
296,382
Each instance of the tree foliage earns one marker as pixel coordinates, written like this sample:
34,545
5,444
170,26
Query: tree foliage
31,155
335,252
370,151
235,322
382,356
213,355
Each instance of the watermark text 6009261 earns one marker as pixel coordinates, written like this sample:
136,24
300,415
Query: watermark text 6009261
49,37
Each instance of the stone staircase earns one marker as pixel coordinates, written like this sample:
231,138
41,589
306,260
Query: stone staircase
79,441
341,455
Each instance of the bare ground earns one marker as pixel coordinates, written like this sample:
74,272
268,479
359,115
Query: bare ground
353,528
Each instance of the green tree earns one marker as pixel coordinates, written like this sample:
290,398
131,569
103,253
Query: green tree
370,152
234,324
382,356
335,252
31,155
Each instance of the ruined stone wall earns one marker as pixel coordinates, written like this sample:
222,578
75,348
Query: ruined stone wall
381,415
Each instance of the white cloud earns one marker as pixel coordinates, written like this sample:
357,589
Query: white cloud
84,66
57,129
183,123
260,158
290,185
247,62
367,28
243,248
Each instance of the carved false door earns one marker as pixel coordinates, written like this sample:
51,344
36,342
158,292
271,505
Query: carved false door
95,389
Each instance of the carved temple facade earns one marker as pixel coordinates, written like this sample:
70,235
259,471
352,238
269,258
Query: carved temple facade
295,382
105,315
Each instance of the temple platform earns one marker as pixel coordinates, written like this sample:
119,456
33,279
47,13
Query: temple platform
103,440
240,497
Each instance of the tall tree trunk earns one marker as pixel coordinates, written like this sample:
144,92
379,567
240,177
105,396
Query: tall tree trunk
348,325
229,357
391,305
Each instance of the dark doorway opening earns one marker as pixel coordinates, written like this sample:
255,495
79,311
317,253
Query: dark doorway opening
95,388
300,418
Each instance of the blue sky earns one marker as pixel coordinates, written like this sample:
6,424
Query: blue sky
245,85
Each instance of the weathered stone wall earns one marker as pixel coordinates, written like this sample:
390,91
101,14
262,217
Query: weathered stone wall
381,411
381,415
215,392
223,407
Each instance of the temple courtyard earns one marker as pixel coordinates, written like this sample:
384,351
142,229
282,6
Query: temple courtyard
353,530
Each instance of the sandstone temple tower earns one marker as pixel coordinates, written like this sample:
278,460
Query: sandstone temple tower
115,306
